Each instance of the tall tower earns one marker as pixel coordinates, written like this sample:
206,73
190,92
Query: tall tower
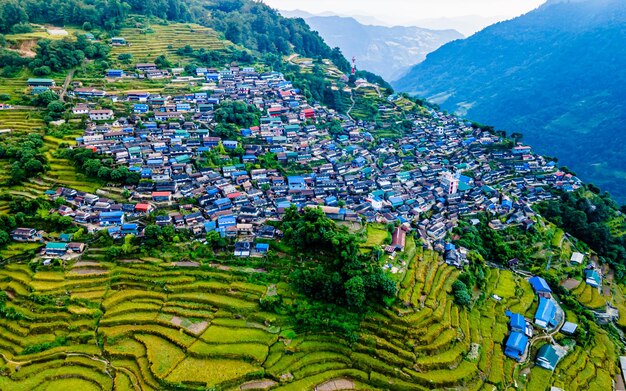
353,65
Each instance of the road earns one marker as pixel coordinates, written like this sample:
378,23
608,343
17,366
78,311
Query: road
66,83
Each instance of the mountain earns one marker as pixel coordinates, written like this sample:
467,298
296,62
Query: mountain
556,74
388,51
466,25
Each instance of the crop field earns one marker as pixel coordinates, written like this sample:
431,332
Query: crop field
150,326
147,42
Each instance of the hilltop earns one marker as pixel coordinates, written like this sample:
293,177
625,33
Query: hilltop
182,211
554,74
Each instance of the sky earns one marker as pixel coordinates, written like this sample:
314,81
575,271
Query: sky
406,12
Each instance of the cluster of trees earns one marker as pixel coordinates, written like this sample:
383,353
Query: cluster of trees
95,166
472,277
9,313
316,86
342,274
55,56
257,26
237,113
496,246
25,157
586,216
108,14
11,62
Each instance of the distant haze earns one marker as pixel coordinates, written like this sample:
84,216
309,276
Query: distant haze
466,16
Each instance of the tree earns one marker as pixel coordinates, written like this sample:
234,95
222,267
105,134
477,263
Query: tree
4,238
125,58
461,293
55,109
355,292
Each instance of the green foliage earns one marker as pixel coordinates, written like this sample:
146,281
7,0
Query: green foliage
257,26
125,58
59,341
237,113
95,165
65,54
586,215
343,275
25,157
461,293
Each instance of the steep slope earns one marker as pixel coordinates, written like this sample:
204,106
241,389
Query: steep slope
388,51
556,74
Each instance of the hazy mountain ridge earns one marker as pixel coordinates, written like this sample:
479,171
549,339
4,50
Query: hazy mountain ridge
388,51
556,74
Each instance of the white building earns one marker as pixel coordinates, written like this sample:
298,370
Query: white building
100,115
450,182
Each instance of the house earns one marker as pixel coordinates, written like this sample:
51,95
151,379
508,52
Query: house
34,82
545,315
115,73
593,278
139,108
161,196
76,247
516,345
398,239
118,41
540,286
547,357
111,218
25,235
242,249
569,328
577,258
262,248
100,115
55,249
517,323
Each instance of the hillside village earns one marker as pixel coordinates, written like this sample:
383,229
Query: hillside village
439,171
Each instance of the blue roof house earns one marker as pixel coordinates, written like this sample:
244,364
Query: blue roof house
517,322
545,315
593,278
262,248
296,183
226,221
111,218
516,346
539,285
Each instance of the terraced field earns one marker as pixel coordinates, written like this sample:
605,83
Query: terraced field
21,121
148,325
148,42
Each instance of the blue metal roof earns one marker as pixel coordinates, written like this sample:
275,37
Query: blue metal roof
539,284
517,341
517,321
546,310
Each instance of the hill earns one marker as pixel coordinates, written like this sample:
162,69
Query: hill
388,51
555,74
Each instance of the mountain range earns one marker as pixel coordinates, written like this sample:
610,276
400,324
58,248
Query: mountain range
387,51
555,74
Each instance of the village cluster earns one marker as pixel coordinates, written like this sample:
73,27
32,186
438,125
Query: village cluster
421,179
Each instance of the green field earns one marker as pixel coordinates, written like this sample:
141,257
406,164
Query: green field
204,328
